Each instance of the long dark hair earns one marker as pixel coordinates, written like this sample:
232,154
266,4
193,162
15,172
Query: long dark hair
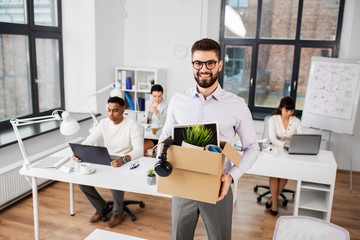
287,103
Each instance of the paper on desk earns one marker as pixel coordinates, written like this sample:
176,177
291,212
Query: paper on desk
51,162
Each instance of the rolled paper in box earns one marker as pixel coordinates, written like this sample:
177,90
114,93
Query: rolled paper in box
213,148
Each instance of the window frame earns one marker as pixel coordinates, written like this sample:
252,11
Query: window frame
257,111
34,32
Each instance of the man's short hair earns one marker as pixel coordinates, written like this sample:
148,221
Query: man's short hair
118,100
206,44
157,88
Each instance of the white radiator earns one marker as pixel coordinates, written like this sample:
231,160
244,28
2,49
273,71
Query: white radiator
14,186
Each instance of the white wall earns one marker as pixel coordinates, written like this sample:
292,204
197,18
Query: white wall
79,52
345,147
153,28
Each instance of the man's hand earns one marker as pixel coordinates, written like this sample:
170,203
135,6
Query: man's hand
226,180
76,159
154,108
117,162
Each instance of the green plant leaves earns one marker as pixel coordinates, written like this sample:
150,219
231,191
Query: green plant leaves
198,135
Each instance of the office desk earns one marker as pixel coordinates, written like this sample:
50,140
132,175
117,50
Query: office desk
315,176
128,180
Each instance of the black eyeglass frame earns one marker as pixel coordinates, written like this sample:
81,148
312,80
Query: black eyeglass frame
206,64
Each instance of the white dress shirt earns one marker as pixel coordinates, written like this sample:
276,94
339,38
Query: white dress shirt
231,113
278,134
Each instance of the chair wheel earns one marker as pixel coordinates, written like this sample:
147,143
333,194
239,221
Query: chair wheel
259,198
255,189
133,218
142,205
285,203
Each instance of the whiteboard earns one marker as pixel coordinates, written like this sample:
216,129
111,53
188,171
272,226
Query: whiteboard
332,95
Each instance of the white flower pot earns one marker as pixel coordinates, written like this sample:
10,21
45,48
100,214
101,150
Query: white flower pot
188,145
151,180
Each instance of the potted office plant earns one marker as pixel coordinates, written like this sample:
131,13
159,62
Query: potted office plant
197,136
151,177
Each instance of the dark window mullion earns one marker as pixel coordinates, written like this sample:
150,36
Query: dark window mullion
33,75
254,59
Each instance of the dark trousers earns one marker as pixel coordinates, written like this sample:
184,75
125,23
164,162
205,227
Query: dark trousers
99,203
217,218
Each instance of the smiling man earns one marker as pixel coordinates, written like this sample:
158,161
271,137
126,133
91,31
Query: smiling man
208,102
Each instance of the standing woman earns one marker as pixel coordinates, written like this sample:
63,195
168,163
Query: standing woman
282,125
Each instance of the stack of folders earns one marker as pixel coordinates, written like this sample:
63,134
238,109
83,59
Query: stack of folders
129,100
128,83
141,102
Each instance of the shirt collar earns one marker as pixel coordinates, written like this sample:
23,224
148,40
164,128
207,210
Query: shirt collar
216,94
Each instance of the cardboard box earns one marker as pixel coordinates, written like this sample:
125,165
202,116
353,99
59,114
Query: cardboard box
196,173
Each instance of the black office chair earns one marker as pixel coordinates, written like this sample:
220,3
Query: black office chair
285,199
104,218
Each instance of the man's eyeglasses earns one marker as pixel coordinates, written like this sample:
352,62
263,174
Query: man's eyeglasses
134,165
209,64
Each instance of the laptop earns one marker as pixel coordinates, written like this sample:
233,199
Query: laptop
92,154
307,144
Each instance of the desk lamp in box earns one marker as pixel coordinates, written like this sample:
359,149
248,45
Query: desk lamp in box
68,127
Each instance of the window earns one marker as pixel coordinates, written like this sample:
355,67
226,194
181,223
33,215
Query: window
31,76
267,47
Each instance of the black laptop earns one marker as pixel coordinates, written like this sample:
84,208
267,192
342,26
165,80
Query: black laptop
92,154
308,144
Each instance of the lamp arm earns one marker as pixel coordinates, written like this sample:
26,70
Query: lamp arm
95,121
24,153
22,122
101,90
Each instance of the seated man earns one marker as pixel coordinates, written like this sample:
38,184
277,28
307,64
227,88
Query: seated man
122,137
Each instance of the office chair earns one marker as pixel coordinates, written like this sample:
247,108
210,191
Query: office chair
104,218
285,199
303,227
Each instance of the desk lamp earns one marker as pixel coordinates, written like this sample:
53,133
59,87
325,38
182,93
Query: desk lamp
68,127
114,92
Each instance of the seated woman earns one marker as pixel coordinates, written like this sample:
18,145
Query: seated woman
282,125
156,113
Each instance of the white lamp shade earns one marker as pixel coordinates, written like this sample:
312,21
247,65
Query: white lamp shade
68,125
234,22
116,91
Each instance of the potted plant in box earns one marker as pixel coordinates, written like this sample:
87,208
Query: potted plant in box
197,136
151,177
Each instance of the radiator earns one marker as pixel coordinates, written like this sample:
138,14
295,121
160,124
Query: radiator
14,186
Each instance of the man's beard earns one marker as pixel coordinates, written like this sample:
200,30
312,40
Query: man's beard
206,84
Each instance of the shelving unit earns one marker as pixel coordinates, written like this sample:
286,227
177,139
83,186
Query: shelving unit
136,84
314,200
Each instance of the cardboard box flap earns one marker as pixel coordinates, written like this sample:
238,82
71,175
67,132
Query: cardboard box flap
231,153
195,160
